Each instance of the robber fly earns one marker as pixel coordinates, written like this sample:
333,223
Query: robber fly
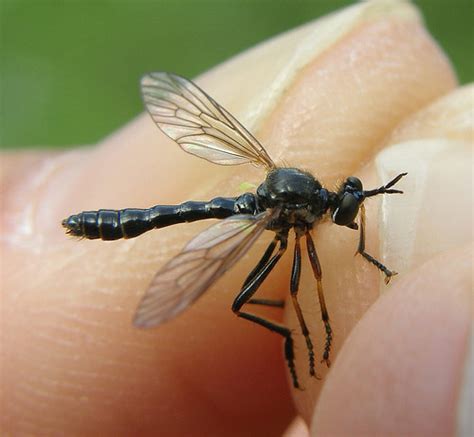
288,199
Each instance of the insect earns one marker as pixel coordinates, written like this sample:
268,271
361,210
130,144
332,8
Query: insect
289,199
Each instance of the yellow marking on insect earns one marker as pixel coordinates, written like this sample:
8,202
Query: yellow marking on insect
247,186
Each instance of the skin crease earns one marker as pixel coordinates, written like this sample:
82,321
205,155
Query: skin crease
71,359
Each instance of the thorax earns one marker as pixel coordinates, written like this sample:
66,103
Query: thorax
298,196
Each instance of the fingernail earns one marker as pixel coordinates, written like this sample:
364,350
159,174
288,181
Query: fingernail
434,214
263,73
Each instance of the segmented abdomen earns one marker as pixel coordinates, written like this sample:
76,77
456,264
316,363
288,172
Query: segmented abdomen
109,224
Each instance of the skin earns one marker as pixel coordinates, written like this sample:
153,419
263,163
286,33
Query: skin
72,361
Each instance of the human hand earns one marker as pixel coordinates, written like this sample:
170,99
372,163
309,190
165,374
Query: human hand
72,361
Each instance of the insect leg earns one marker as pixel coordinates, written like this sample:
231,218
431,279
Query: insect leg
386,189
266,256
268,302
284,332
248,290
250,287
313,257
294,286
361,248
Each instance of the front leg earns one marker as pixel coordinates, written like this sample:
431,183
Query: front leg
361,248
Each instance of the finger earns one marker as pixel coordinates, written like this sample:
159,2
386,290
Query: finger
411,228
352,132
73,301
400,371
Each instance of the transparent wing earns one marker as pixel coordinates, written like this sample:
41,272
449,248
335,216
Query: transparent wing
204,259
198,123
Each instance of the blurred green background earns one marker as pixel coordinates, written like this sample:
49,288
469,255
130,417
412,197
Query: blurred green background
70,69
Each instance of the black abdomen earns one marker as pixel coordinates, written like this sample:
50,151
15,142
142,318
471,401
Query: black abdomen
108,224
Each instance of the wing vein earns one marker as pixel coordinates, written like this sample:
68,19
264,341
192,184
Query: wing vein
202,261
179,107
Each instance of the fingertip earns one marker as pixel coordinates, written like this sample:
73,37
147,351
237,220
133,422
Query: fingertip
399,370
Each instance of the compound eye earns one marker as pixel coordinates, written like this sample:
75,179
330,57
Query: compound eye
347,210
354,183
